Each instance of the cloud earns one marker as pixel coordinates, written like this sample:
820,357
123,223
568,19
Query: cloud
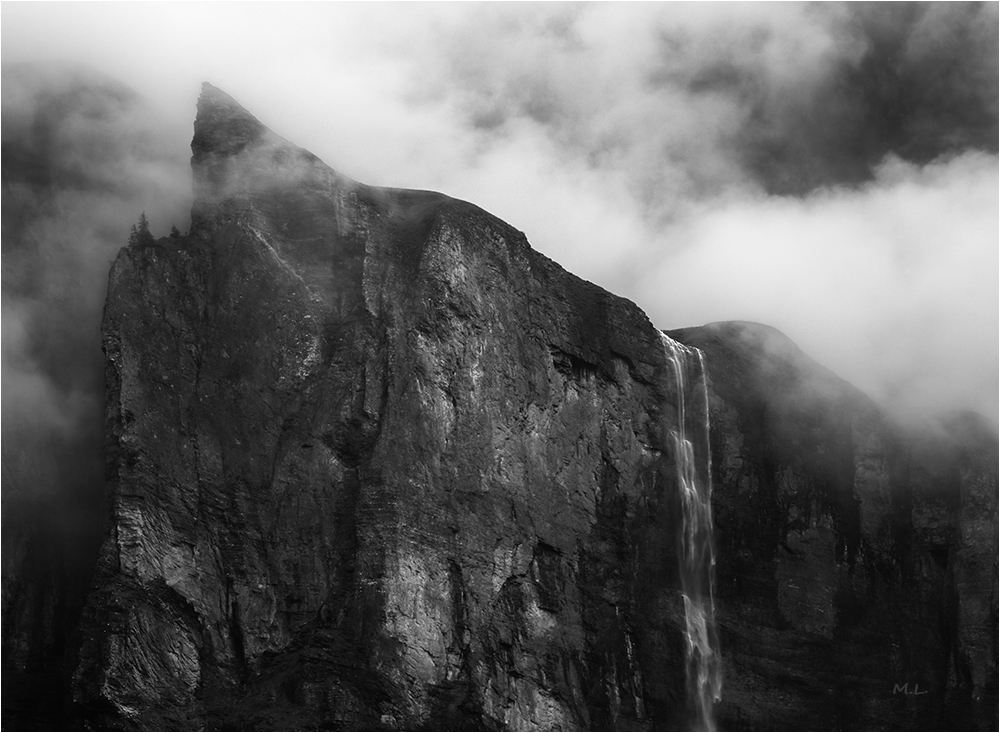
697,99
893,285
83,157
830,170
826,168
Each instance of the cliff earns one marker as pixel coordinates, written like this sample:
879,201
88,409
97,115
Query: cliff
374,462
856,558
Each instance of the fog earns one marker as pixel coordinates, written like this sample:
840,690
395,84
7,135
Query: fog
830,170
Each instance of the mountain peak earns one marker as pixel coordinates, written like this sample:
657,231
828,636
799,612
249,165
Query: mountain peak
223,126
236,158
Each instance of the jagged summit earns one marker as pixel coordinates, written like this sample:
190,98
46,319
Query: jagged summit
243,171
223,126
238,161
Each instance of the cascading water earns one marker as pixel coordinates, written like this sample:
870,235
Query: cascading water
697,557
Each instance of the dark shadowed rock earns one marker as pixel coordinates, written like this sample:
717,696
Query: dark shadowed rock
376,463
856,559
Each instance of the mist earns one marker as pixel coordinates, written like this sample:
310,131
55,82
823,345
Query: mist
83,157
827,169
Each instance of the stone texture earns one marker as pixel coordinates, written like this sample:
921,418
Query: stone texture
854,556
376,463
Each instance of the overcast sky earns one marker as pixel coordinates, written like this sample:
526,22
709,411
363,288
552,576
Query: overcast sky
830,170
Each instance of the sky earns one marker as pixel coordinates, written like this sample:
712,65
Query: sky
827,169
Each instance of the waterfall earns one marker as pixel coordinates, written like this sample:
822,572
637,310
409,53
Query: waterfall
697,558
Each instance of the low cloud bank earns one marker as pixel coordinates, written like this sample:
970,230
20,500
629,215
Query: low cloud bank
892,285
829,169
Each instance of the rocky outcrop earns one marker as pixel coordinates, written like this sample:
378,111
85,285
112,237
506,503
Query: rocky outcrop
856,559
374,462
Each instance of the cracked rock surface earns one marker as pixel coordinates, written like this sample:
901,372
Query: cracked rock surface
375,463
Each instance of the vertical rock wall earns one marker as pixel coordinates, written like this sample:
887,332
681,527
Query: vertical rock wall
375,462
857,560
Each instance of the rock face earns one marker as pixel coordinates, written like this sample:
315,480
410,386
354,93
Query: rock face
856,560
374,462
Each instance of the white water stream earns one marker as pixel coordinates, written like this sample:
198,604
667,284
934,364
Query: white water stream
697,556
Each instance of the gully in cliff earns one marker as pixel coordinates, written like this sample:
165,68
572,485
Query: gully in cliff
697,557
